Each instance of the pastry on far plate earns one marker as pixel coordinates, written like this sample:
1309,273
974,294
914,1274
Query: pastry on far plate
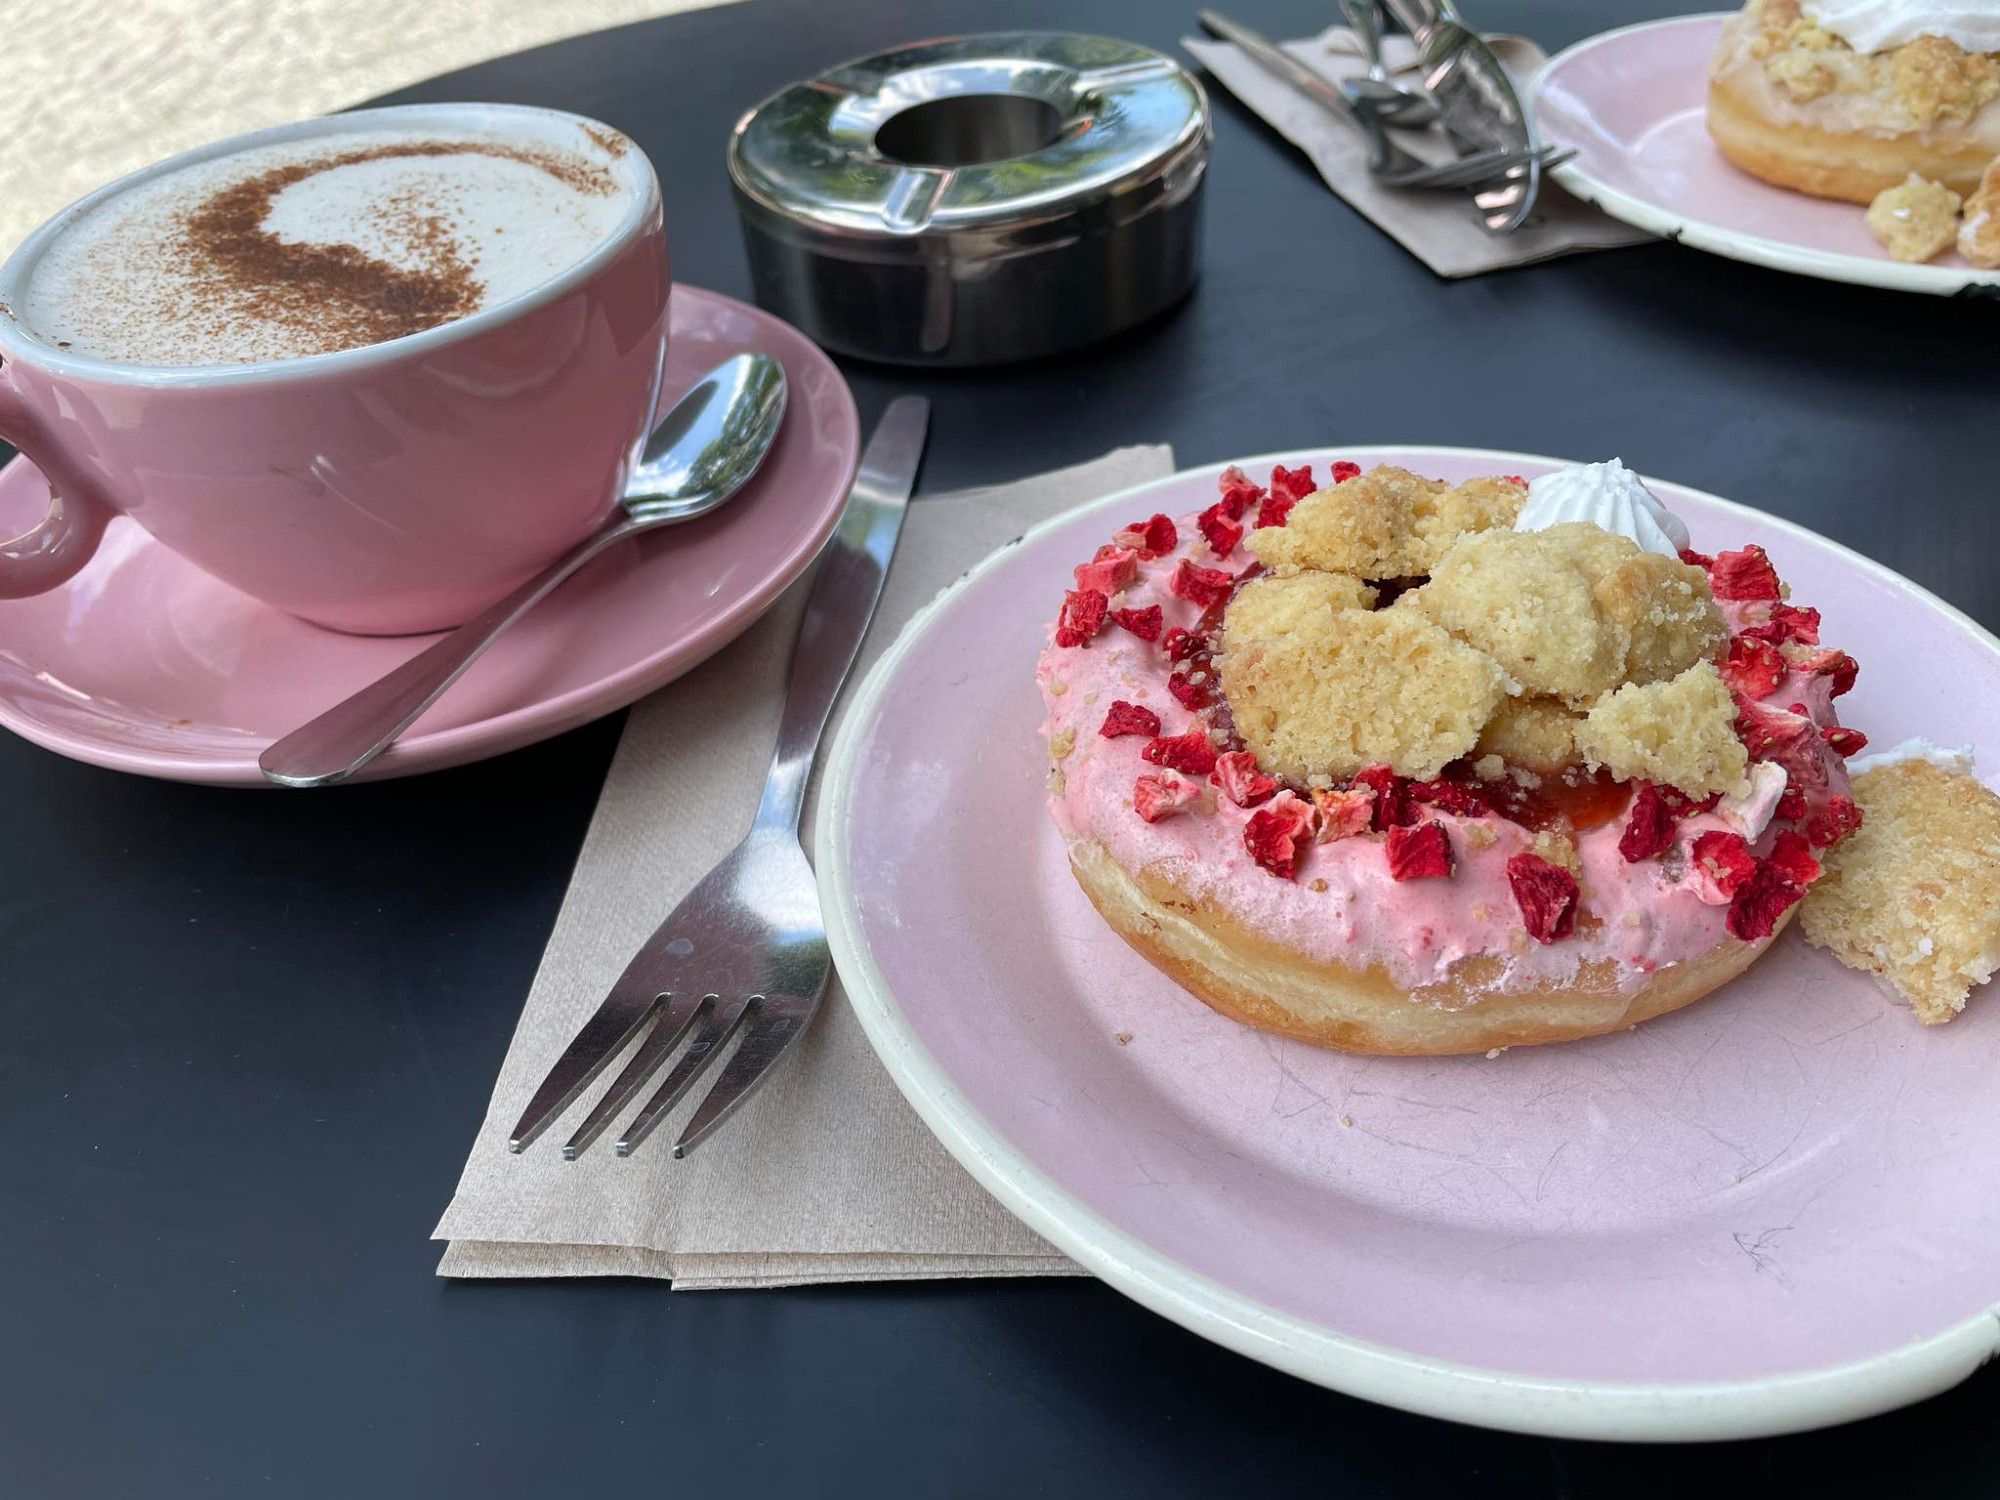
1402,766
1848,98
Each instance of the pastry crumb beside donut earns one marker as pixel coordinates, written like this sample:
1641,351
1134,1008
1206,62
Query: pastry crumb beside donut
1913,897
1915,220
1979,233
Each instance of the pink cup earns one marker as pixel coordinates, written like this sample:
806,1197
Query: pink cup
396,487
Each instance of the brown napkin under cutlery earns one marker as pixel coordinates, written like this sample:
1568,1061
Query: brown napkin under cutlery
826,1174
1436,227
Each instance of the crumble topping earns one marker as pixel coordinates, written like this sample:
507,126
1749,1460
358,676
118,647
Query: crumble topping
1574,611
1932,80
1913,896
1681,732
1343,690
1387,523
1537,733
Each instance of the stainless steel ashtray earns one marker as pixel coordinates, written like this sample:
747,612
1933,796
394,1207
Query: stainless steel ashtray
977,199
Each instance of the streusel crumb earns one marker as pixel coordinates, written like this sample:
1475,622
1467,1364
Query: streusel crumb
1388,523
1916,219
1271,605
1931,80
1539,733
1681,732
1574,611
1979,235
1913,895
1339,691
1940,83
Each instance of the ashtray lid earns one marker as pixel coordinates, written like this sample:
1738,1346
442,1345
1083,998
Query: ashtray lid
973,133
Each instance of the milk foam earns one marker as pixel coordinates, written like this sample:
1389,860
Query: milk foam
124,280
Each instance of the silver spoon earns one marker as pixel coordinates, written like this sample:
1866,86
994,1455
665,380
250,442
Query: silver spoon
1392,103
701,454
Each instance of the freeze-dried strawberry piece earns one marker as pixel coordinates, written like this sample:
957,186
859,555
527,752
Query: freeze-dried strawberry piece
1181,644
1113,568
1292,484
1723,861
1680,804
1793,856
1546,895
1151,538
1515,479
1696,559
1220,530
1786,623
1081,618
1241,782
1188,694
1755,908
1238,492
1343,813
1743,575
1753,668
1838,665
1275,511
1190,752
1207,587
1129,718
1343,471
1834,822
1765,730
1161,794
1845,741
1421,852
1392,795
1449,796
1650,828
1144,623
1791,802
1275,834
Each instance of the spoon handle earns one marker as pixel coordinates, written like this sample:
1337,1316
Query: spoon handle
354,731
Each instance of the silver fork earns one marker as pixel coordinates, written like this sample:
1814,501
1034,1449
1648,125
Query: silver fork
746,948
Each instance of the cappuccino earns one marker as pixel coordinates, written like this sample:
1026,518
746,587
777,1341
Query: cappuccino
330,242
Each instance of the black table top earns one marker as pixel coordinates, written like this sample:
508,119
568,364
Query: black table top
250,1034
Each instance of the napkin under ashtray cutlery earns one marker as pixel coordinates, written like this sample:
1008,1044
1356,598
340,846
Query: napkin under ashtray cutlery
1496,156
746,949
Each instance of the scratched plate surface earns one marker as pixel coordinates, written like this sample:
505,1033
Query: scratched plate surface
1788,1176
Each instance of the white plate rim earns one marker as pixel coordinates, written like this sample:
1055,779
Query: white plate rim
1777,255
1591,1409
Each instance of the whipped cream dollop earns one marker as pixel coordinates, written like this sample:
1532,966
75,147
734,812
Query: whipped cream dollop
1877,25
1607,495
1959,759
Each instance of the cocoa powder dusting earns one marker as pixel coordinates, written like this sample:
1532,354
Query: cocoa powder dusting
327,297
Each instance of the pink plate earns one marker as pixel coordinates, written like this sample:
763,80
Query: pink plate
1771,1211
1632,103
143,662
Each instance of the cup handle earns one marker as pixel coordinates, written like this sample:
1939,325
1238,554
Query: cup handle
55,550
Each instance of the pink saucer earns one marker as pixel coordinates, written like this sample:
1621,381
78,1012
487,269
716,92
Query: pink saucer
144,663
1771,1211
1633,104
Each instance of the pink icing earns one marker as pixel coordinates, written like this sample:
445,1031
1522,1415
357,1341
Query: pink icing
1344,905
